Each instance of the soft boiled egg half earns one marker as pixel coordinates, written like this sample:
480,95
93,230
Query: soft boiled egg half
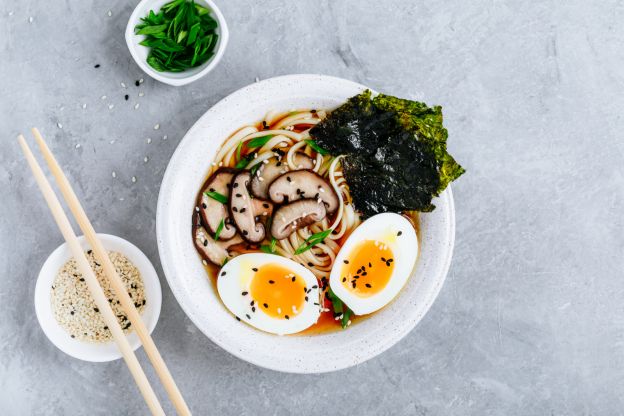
269,292
374,263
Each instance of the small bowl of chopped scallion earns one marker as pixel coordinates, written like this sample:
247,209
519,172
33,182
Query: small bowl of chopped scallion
177,41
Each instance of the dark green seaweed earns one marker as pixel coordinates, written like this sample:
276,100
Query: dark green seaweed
395,156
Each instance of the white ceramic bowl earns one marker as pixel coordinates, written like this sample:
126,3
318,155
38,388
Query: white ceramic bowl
140,52
195,293
87,351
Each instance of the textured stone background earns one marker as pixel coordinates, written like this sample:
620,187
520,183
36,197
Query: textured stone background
531,318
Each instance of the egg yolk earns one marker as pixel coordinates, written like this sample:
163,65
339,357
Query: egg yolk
278,291
368,268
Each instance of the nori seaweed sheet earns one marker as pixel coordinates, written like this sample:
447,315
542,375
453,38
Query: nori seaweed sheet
395,156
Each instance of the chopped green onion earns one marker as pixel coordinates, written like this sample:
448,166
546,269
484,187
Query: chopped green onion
339,308
244,161
269,249
316,147
219,229
180,36
217,196
259,141
238,150
313,240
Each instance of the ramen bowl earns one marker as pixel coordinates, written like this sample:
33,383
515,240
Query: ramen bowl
196,293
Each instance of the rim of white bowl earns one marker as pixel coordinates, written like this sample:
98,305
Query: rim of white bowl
83,350
177,79
189,283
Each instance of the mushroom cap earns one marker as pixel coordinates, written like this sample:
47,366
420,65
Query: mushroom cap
213,251
213,211
267,172
242,209
301,213
303,184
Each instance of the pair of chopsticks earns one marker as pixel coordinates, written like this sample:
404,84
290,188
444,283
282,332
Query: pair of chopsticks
94,287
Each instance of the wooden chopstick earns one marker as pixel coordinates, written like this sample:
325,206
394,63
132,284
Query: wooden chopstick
118,286
94,287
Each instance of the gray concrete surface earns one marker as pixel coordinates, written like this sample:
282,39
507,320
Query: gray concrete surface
531,318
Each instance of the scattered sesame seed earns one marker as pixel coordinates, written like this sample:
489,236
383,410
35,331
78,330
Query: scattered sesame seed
78,146
136,106
126,97
165,137
141,81
156,126
123,85
399,233
110,106
30,19
109,13
145,159
103,97
84,106
141,94
59,125
11,13
134,179
114,174
244,293
96,66
148,140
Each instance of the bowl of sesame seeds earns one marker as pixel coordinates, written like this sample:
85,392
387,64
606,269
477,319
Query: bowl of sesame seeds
67,313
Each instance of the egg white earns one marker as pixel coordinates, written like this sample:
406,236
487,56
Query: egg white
235,278
385,229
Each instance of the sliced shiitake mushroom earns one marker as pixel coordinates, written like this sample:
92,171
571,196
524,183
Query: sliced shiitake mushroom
267,172
302,184
289,218
213,211
242,209
213,251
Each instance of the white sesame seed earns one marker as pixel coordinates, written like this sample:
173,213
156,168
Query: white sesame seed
165,137
136,106
114,174
141,94
111,106
141,81
110,13
283,144
145,159
59,125
84,106
265,161
319,200
197,209
260,178
156,126
213,164
255,155
121,199
112,141
204,262
148,140
78,146
103,97
279,310
30,19
220,164
123,85
11,13
133,179
321,189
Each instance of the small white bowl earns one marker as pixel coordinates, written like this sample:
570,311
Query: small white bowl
140,52
91,351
